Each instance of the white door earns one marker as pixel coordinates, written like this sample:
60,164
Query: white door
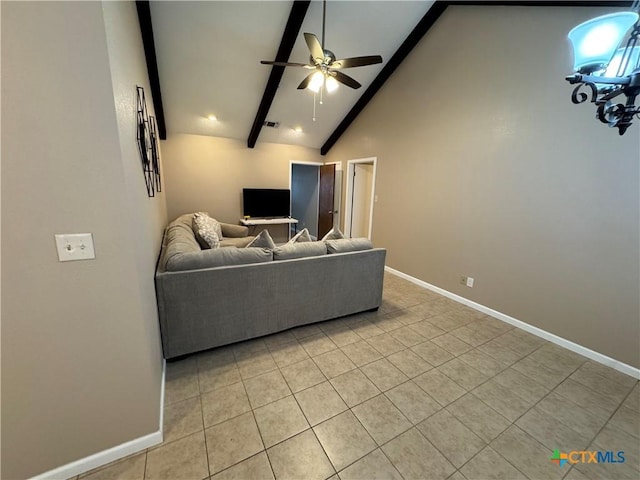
361,205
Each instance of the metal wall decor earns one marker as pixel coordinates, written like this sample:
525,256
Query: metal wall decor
146,134
155,154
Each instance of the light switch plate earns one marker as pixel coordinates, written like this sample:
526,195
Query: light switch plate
75,246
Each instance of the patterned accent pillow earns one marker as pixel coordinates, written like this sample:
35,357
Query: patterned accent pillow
333,234
262,240
205,231
214,223
301,236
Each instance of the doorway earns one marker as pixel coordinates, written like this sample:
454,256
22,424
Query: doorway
360,197
314,189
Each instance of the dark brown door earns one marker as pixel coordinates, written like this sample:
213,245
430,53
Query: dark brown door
325,203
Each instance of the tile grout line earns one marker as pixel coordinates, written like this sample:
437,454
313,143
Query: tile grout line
300,406
444,407
517,426
146,459
326,379
279,370
487,444
350,409
611,417
204,430
383,393
316,436
358,367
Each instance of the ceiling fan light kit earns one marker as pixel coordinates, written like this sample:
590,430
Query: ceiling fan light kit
325,66
607,67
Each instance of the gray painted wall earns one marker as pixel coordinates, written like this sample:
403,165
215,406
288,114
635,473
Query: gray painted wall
304,196
81,358
486,169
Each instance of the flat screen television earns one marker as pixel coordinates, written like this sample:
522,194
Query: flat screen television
266,202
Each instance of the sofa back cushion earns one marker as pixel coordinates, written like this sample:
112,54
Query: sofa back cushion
299,250
348,245
219,257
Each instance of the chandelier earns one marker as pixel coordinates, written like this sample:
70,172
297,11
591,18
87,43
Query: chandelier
605,69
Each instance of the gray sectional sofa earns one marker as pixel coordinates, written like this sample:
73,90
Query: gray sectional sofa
210,298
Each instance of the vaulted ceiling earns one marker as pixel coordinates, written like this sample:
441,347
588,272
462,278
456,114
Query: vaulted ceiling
208,56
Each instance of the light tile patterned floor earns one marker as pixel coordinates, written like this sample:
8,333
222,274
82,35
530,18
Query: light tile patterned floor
425,388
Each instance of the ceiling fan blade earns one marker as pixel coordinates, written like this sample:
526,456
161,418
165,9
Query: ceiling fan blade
345,79
356,61
286,64
314,47
306,81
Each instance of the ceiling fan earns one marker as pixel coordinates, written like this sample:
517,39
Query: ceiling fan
326,67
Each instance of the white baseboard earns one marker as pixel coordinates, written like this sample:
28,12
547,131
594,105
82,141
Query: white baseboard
164,376
563,342
112,454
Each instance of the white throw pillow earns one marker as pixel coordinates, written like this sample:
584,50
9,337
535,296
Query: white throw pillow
262,240
301,236
333,234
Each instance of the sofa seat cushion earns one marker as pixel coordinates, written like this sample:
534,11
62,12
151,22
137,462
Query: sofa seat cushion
234,231
348,245
299,250
235,242
219,257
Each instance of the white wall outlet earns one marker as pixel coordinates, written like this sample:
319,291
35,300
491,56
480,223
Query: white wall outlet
75,246
470,282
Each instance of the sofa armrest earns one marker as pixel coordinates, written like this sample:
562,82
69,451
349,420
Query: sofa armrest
234,231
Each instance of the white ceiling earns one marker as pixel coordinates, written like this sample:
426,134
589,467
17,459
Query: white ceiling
209,62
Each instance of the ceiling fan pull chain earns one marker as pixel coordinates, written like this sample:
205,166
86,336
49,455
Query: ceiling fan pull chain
314,106
321,89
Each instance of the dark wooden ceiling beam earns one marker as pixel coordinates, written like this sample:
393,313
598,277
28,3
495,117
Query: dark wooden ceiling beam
146,29
411,41
421,29
296,16
543,3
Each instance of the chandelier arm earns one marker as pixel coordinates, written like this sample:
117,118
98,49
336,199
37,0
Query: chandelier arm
578,97
580,78
610,96
628,49
610,113
618,115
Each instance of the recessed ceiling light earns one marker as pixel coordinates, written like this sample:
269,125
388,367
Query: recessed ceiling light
298,129
212,117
